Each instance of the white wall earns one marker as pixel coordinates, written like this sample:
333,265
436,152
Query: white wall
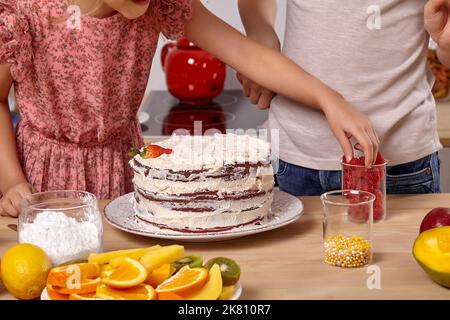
228,11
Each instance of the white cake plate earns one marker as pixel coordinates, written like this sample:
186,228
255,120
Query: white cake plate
285,210
237,293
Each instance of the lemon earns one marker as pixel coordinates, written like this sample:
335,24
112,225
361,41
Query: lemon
24,270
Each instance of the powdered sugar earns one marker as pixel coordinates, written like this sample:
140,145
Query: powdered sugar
63,238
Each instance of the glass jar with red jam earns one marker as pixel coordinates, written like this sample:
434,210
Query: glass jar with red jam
356,176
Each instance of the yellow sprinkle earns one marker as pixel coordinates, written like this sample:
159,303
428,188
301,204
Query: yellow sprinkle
347,252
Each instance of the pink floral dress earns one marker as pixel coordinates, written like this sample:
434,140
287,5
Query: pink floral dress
79,89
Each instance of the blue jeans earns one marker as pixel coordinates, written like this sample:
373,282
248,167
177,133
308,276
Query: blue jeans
420,176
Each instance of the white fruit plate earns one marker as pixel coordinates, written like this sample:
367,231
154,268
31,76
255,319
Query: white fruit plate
285,210
237,293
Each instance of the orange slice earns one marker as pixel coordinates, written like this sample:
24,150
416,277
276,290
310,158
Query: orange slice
139,292
169,296
128,274
184,282
58,276
87,296
53,295
86,286
159,275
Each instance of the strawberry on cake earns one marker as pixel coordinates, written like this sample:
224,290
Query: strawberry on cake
203,183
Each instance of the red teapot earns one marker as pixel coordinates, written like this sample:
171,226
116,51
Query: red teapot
193,75
183,117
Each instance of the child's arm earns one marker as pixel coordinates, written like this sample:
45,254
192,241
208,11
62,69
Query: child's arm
279,74
13,184
437,23
258,18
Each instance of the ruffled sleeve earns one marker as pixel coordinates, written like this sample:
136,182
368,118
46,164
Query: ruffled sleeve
15,39
172,16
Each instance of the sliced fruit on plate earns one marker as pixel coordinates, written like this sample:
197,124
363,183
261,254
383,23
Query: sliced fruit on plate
184,282
139,292
169,296
156,258
159,275
106,257
128,274
53,295
106,270
193,261
78,287
75,261
231,272
227,293
87,296
58,276
212,289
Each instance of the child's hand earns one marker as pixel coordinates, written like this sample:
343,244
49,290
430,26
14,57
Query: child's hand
437,21
11,201
346,122
258,95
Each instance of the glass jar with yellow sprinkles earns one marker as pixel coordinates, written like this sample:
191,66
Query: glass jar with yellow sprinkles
347,243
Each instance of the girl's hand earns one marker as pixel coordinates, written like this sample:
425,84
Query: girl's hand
11,201
347,122
259,96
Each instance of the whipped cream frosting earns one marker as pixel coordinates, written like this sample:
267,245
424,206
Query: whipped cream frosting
209,152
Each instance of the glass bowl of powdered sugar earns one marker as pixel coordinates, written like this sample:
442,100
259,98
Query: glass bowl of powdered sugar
67,225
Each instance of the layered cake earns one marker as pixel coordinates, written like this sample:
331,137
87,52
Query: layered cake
203,183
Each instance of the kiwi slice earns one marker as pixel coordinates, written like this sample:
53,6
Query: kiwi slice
231,272
193,261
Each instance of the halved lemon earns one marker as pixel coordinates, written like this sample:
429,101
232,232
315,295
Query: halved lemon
184,282
58,276
84,287
128,274
139,292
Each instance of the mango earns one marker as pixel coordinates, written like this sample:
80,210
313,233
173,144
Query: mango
106,257
159,275
115,262
227,293
212,288
156,258
432,252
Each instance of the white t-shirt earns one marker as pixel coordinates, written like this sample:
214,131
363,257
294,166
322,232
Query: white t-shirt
374,54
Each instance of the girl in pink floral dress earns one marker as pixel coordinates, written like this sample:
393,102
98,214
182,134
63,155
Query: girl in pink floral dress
79,81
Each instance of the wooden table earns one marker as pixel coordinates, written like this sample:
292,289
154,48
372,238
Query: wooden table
443,119
287,263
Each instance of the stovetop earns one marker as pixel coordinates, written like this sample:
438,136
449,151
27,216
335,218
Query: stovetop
162,115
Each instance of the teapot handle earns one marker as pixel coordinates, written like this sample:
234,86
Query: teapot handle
165,50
